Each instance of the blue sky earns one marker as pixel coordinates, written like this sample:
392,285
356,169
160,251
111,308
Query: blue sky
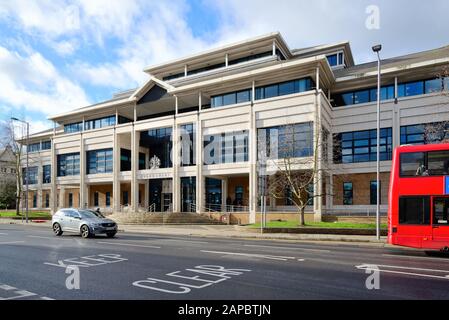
60,55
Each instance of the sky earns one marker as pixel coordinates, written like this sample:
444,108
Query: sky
60,55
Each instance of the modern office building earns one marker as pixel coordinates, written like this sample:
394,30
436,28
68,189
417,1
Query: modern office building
213,107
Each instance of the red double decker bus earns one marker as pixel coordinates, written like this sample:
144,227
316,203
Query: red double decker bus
418,198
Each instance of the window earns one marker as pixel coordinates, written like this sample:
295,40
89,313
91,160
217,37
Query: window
99,161
125,160
142,163
440,211
414,210
46,145
68,164
373,192
336,59
288,196
188,145
361,146
414,88
229,147
283,88
32,175
47,200
347,193
424,133
34,200
46,174
99,123
412,164
434,85
159,142
280,142
70,200
108,199
34,147
438,163
96,199
73,127
231,98
310,194
125,198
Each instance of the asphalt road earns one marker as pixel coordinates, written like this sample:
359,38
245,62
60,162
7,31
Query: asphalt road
33,265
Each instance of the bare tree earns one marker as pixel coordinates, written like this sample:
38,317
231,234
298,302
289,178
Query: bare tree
290,169
8,138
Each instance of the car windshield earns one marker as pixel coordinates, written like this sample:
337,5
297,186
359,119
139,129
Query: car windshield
90,214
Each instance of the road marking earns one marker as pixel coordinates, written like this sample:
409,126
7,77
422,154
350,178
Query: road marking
417,257
129,244
18,293
88,261
183,281
184,241
253,255
371,267
11,242
290,248
3,234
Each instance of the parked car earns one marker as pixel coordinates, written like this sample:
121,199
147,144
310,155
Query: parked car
83,221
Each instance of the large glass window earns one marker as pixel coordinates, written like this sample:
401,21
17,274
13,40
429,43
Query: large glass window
188,145
414,210
32,175
34,147
347,193
283,88
412,164
68,164
231,98
290,141
159,142
99,161
125,160
424,133
142,161
229,147
99,123
438,163
46,145
46,174
73,127
361,146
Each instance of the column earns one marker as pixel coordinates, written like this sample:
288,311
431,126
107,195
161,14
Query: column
62,197
224,194
54,170
82,173
147,194
39,186
199,165
252,161
175,160
330,192
318,177
134,167
116,173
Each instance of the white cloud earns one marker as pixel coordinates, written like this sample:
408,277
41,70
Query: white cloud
31,82
64,48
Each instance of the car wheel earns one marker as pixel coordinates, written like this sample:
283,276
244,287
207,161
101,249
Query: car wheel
85,232
111,234
57,229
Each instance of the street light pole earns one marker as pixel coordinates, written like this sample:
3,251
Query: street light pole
377,49
26,173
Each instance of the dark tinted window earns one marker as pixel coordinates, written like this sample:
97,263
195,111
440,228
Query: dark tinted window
414,88
412,164
414,210
347,193
440,211
438,162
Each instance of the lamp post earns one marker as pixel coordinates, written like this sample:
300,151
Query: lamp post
377,49
27,173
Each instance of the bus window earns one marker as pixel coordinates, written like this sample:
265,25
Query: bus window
414,210
440,211
438,162
413,164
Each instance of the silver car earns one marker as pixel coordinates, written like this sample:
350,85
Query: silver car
83,221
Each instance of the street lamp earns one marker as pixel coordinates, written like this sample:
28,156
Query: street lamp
27,173
377,49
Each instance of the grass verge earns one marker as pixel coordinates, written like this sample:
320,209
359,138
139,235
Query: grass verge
31,214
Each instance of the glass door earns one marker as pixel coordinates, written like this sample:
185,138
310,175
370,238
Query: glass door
440,220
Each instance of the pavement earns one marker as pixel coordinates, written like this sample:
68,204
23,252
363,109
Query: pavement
226,231
37,265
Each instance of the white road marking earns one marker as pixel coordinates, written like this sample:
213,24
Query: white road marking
369,267
415,257
289,248
11,242
184,241
89,261
253,255
18,293
129,244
